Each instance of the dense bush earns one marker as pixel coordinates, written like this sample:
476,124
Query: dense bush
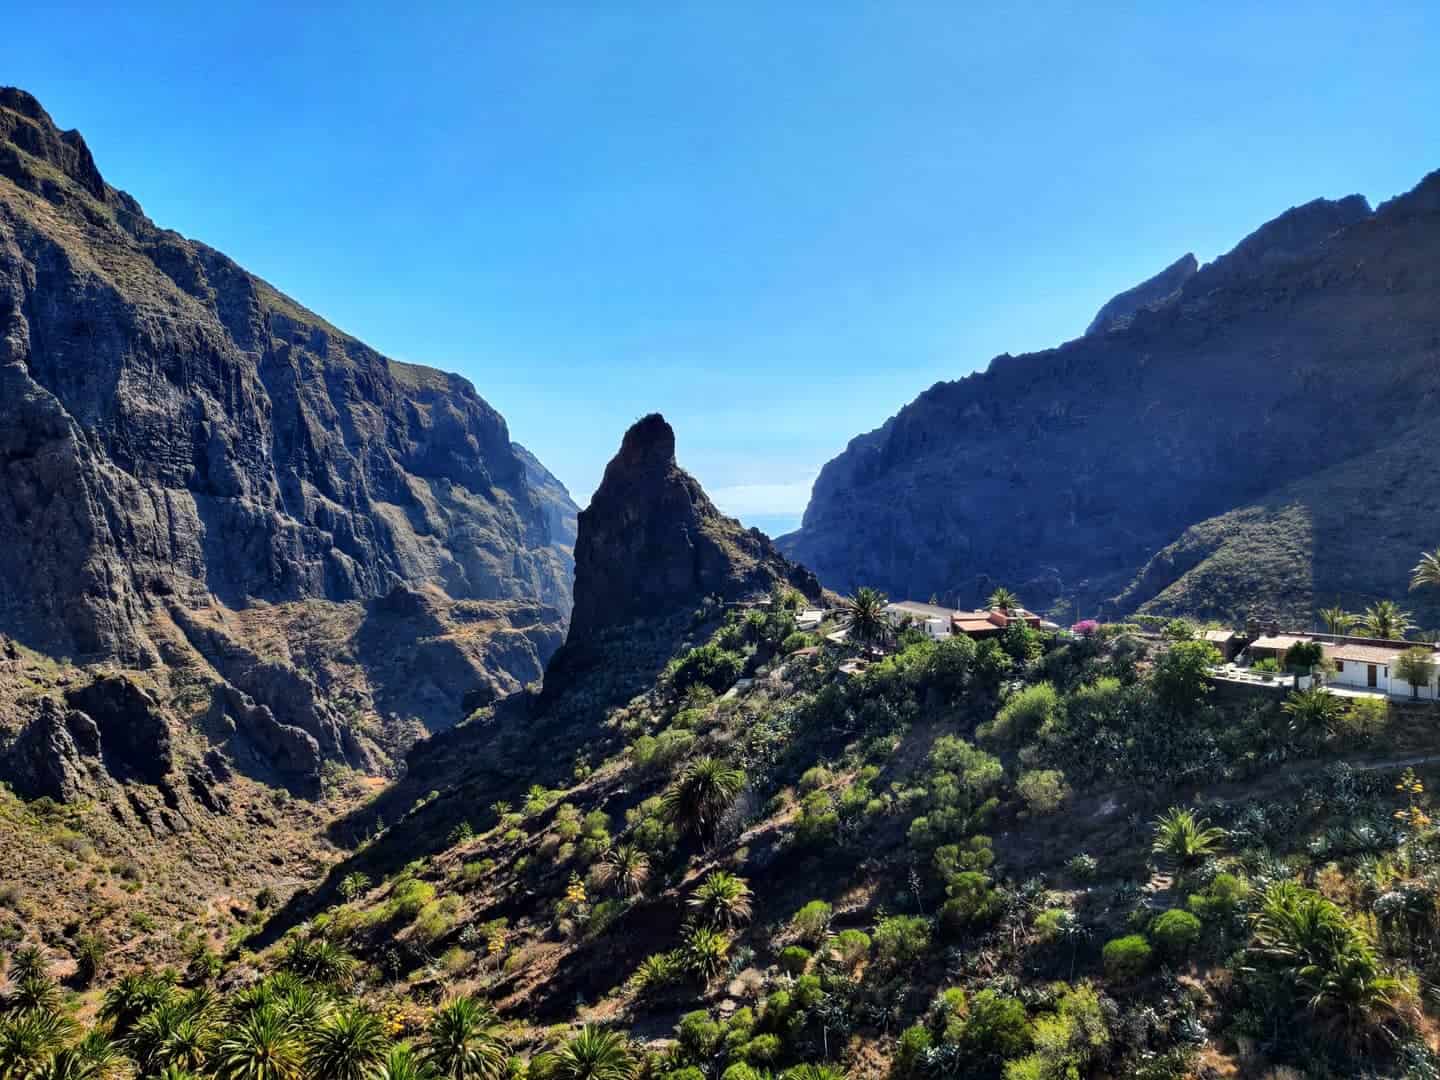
1175,933
1126,957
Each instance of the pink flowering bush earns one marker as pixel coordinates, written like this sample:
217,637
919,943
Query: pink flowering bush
1085,628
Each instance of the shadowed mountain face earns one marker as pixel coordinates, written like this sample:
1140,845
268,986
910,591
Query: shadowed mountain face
174,430
1312,344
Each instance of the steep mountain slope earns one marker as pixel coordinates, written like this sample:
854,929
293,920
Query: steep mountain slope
1061,473
172,430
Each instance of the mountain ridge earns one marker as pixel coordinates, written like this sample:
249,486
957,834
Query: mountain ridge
1031,471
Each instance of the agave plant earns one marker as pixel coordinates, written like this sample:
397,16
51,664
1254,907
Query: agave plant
654,972
594,1054
460,1042
722,900
697,801
1183,841
704,952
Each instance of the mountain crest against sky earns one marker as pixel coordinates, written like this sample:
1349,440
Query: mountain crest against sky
1310,344
175,430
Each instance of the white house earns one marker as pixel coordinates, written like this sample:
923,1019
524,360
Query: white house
1366,666
935,620
809,618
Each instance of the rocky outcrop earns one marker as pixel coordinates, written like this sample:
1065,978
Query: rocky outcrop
651,542
1152,293
56,755
1061,473
134,733
290,751
173,429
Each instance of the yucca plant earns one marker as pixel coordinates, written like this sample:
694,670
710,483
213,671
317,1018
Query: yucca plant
460,1042
722,900
594,1054
1183,841
697,801
656,971
350,1045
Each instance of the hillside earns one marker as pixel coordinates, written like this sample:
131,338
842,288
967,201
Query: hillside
1063,473
1035,856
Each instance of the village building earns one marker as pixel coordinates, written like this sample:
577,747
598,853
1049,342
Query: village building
1358,663
941,622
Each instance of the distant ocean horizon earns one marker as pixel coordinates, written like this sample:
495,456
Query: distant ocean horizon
772,525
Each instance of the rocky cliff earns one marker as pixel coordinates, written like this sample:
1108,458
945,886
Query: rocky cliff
174,430
651,542
1314,343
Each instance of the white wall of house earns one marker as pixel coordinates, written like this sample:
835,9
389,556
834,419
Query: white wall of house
1353,673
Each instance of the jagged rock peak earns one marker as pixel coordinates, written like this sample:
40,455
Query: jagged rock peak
651,542
25,125
1152,292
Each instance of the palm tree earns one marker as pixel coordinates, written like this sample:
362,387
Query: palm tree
179,1033
1183,841
593,1054
319,961
1002,599
1427,570
28,960
133,997
813,1072
1385,619
29,1039
704,952
1313,711
627,867
722,900
1337,620
354,885
698,800
459,1042
35,993
350,1045
93,1058
262,1045
864,617
402,1064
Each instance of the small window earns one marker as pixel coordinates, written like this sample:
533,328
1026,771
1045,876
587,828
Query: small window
1339,665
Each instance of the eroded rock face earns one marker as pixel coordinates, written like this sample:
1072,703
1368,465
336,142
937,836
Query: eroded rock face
134,734
651,542
55,755
1060,473
173,429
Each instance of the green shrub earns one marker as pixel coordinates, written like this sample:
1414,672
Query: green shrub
850,947
1221,899
994,1029
707,665
900,940
1126,957
911,1051
1044,790
973,902
1175,933
699,1035
1082,867
794,959
811,921
817,776
1022,715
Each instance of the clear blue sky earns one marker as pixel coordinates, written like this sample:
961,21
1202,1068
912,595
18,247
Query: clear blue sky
776,223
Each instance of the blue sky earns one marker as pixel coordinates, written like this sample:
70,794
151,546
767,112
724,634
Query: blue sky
776,223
